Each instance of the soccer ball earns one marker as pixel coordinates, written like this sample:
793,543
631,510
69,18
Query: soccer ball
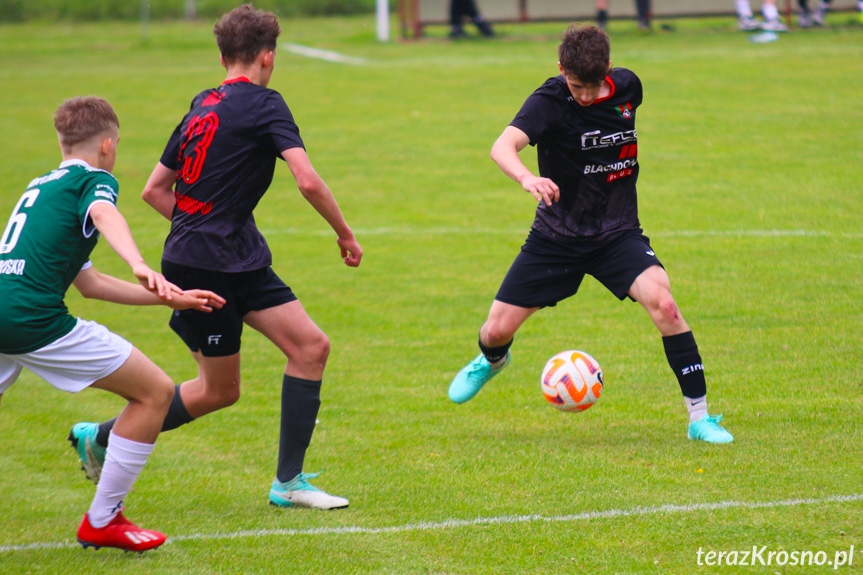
571,381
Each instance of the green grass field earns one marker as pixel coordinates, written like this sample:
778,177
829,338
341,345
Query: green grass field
750,188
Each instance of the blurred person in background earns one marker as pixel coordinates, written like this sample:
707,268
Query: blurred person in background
808,18
642,7
747,22
458,10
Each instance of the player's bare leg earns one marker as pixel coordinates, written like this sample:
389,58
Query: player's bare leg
495,338
216,387
652,289
149,392
306,349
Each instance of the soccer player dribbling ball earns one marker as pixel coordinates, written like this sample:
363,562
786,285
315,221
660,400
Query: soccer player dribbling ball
216,166
582,123
44,249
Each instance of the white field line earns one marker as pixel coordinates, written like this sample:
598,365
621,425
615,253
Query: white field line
325,55
399,231
480,521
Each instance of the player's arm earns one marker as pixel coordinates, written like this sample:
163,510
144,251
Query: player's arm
113,227
96,285
316,192
159,191
505,151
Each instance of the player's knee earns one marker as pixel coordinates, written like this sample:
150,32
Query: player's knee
669,311
161,392
230,396
312,354
496,334
318,350
221,392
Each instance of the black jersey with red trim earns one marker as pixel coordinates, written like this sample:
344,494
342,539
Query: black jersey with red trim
591,153
224,152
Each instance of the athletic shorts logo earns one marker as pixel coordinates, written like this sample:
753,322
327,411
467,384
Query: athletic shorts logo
214,339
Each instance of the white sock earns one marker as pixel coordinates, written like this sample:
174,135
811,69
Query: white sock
124,461
499,363
697,407
770,12
743,9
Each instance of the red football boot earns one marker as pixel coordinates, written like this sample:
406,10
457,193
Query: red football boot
120,533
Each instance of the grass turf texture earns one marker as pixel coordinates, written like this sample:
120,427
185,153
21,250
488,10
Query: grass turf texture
750,191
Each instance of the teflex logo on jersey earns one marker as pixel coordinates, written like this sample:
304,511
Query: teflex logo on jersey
591,140
628,141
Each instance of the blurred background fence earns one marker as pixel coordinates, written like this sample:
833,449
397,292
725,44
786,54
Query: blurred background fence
54,10
415,14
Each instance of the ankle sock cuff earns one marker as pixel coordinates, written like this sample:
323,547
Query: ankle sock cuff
495,354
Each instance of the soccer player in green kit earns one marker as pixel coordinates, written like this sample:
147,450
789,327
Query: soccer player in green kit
44,249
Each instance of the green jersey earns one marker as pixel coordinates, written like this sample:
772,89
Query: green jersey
47,241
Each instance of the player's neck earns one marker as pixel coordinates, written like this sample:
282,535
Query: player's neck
605,91
80,158
249,73
90,157
257,72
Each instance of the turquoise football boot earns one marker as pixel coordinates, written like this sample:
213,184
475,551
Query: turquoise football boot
472,377
92,455
300,493
708,429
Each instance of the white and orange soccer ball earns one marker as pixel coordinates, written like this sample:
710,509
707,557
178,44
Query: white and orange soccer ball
571,381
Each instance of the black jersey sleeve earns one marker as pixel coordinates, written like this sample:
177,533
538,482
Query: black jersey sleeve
171,155
540,113
281,127
633,86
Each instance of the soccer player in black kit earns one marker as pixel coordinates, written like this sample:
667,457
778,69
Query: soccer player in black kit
217,165
583,125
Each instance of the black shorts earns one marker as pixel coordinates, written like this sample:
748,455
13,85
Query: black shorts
217,334
546,272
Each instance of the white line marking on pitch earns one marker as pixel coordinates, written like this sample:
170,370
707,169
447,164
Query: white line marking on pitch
325,55
500,520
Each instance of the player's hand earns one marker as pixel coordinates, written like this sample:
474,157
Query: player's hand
352,253
543,189
155,282
199,299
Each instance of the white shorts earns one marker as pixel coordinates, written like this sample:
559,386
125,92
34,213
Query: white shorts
75,361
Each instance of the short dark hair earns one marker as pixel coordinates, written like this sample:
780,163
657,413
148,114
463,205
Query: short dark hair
244,32
81,118
585,53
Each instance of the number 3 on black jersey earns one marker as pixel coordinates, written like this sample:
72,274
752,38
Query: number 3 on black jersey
202,128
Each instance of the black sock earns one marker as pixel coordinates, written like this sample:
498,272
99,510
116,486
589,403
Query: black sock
177,416
494,354
684,359
301,399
